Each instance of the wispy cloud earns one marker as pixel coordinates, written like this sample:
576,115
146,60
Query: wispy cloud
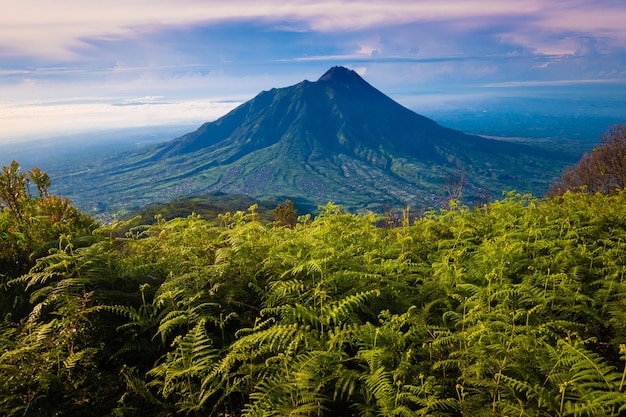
535,83
40,119
41,27
186,51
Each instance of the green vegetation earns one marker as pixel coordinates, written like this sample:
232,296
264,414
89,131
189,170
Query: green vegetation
514,308
209,207
30,225
601,170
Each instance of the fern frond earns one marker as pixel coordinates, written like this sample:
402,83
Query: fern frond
297,313
171,323
128,312
83,356
340,310
590,371
380,384
345,384
45,330
266,398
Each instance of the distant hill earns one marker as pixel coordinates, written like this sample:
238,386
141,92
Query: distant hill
209,207
336,139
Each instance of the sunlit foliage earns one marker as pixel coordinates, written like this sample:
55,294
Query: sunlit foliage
602,170
515,308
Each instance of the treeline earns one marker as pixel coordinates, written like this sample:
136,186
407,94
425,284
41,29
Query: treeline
514,308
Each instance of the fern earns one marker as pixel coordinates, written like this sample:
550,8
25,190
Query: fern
339,311
82,356
295,388
180,376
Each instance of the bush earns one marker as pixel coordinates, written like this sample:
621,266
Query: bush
601,170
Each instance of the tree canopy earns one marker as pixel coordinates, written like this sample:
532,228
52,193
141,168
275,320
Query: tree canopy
601,170
30,225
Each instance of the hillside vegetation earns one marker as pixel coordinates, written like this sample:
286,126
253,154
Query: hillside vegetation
514,308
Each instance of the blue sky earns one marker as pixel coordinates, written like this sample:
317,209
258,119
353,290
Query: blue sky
75,65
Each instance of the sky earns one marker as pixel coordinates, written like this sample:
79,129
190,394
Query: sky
73,65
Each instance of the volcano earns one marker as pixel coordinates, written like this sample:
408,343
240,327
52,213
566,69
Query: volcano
337,139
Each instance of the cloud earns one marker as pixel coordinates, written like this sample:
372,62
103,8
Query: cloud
142,101
40,119
551,83
44,28
150,57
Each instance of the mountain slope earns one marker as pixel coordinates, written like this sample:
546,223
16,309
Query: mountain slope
337,139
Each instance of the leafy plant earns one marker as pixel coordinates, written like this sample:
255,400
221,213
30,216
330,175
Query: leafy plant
512,308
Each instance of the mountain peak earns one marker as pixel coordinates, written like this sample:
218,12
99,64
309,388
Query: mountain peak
340,75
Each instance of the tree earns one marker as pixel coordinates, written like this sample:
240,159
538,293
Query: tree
13,188
286,215
454,185
601,170
30,225
41,180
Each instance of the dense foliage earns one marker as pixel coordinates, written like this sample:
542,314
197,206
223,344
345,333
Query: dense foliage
602,170
31,224
515,308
